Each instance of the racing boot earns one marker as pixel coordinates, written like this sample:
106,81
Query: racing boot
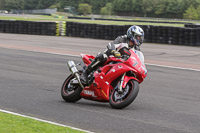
88,70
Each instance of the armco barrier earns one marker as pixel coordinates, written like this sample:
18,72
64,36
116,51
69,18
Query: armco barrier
94,31
28,27
188,35
153,34
192,25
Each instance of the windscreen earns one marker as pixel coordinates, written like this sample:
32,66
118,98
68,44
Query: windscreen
140,55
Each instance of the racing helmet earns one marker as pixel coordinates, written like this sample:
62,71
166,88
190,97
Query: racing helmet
136,35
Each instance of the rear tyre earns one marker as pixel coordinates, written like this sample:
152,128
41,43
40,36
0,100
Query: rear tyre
119,101
70,93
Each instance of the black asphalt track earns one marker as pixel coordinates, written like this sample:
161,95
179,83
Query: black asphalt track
168,101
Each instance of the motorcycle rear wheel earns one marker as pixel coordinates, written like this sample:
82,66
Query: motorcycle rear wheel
119,101
69,93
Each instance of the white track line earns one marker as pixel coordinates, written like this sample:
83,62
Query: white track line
182,68
73,55
50,122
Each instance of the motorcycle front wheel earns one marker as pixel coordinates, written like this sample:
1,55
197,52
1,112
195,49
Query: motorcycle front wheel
70,93
121,100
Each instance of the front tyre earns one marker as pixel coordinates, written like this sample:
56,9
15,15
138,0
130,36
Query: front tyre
119,101
69,92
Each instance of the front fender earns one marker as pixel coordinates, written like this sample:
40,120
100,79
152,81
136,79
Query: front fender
126,79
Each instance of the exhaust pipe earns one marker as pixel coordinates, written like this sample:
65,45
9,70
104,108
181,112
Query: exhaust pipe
72,67
74,71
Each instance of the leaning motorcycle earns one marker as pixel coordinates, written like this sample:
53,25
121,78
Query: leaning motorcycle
116,82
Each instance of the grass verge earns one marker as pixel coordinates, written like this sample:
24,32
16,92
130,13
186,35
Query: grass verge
53,18
16,124
64,17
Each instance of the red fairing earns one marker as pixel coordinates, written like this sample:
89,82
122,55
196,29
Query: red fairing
137,66
87,58
114,68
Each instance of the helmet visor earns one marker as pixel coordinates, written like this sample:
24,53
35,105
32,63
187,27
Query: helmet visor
139,38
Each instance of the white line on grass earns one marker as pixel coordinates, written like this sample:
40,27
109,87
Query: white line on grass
50,122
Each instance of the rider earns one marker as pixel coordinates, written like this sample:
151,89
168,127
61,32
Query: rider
120,46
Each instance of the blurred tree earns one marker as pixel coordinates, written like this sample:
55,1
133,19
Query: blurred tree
187,3
149,7
2,4
58,6
191,13
106,10
85,9
14,4
64,3
124,7
96,4
30,4
198,11
42,4
168,8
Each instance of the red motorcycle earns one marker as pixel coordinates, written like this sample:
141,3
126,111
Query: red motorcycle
116,82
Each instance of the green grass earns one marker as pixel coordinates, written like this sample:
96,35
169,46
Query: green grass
16,124
123,23
56,17
34,18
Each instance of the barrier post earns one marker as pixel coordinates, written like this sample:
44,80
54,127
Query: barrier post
57,29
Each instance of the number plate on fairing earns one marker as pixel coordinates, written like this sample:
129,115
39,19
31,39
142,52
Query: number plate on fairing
88,92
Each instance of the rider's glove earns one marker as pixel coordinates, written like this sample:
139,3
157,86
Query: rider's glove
116,53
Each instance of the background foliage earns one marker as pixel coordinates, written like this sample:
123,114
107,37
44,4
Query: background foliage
188,9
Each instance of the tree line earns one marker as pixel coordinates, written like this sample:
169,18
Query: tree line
189,9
